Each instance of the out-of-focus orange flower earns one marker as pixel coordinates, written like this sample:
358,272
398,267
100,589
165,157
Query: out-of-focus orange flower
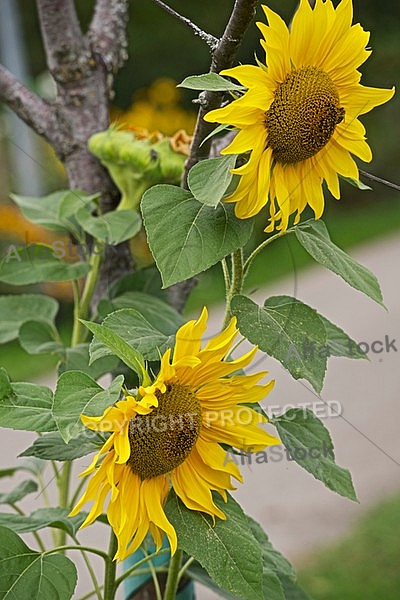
156,108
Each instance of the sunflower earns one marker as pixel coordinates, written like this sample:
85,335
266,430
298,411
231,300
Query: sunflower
170,433
299,115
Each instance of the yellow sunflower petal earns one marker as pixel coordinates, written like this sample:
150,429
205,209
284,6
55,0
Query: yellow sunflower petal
351,137
154,491
193,490
276,45
360,100
188,337
302,36
247,75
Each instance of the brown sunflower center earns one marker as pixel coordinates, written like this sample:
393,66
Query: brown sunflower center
162,440
303,115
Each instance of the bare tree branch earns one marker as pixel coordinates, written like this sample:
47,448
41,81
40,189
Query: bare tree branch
107,32
372,177
222,58
36,113
67,51
209,39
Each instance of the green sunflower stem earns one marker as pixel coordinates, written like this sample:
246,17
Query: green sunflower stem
263,245
82,304
236,283
63,492
173,576
110,585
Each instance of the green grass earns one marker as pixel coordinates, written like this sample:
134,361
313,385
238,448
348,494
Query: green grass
363,566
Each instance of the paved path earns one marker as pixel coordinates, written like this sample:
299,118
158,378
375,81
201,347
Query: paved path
297,511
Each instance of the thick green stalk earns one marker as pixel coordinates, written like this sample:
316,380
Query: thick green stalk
173,576
236,283
263,245
63,494
110,585
82,305
133,570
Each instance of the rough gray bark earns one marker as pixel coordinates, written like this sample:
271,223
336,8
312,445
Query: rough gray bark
84,80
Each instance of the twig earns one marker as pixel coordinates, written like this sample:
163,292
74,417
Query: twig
222,58
107,32
209,39
394,186
36,113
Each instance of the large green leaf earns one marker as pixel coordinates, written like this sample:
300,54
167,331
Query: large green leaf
150,332
187,237
292,590
77,393
113,227
209,179
288,330
16,309
70,205
33,465
19,492
25,406
310,445
40,337
314,237
338,343
137,332
41,518
57,210
157,312
77,359
211,82
272,589
51,446
273,560
277,571
227,550
131,357
37,263
27,575
42,210
146,280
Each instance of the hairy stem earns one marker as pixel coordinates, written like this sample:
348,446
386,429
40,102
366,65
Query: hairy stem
79,331
263,245
236,283
110,585
173,573
63,494
132,570
91,572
